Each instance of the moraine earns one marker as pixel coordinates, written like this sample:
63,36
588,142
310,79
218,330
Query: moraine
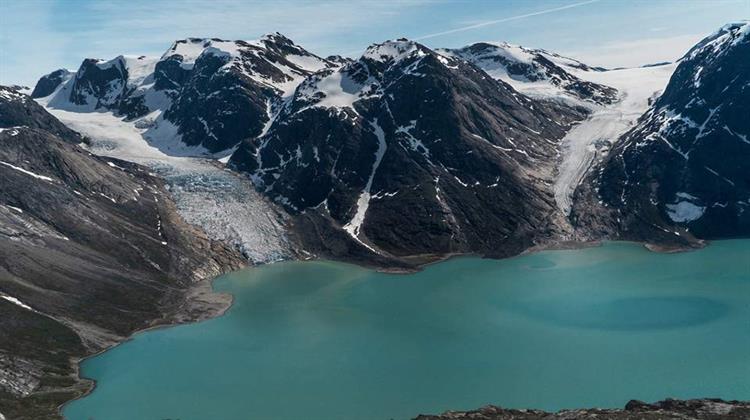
555,329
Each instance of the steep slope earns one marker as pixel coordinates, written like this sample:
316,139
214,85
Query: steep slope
411,152
91,249
682,170
538,73
206,93
17,109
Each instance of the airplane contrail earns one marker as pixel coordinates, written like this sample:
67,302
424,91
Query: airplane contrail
508,19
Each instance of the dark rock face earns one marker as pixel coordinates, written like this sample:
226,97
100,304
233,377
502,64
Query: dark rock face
91,249
100,84
413,152
702,409
550,72
227,97
49,82
116,85
684,166
218,109
17,109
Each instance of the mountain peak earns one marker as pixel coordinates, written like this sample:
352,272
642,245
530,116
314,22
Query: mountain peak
50,81
188,50
394,50
277,38
535,72
727,36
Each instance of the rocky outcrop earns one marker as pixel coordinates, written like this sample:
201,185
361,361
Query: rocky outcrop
699,409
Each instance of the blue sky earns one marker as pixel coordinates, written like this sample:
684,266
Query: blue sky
38,36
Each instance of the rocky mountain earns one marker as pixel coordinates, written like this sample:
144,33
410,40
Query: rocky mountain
347,146
411,151
537,73
681,172
205,93
91,250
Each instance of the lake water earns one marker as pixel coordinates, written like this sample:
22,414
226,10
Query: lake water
552,330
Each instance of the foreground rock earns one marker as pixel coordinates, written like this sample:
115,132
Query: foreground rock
701,409
91,250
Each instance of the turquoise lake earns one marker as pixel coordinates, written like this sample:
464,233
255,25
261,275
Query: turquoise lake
551,330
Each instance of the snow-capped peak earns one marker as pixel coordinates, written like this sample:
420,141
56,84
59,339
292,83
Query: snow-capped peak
188,50
509,51
342,86
535,72
394,50
276,38
729,35
138,68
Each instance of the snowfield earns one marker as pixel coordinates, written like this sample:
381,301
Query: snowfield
607,123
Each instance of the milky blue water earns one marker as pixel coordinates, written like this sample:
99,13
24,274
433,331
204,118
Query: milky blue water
324,340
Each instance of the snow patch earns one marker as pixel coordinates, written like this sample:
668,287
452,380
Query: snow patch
35,175
16,209
11,299
684,211
339,91
306,62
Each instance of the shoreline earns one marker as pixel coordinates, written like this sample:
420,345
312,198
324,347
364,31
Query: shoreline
205,288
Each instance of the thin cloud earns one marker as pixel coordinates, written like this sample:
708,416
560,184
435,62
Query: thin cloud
508,19
637,52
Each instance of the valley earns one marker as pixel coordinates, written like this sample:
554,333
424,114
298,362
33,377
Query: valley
595,135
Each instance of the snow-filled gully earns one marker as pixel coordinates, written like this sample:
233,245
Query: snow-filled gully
354,225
